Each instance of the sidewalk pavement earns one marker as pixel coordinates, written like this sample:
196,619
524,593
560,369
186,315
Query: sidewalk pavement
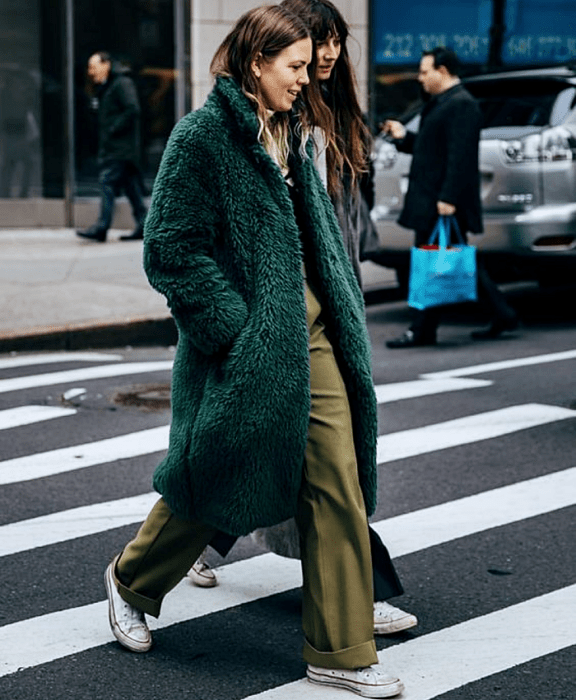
59,292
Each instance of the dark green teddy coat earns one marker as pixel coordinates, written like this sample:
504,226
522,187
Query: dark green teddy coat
222,244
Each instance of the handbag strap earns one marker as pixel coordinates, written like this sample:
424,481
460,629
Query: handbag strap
441,231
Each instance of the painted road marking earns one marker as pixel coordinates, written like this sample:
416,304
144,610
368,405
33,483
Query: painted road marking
78,629
55,357
428,527
503,364
463,431
76,522
403,534
80,375
407,443
68,459
478,648
27,415
398,391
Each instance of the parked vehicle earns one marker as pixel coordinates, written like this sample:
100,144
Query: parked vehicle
528,178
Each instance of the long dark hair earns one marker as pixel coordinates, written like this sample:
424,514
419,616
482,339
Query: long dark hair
348,141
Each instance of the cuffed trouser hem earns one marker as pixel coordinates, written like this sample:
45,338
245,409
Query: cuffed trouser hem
359,656
157,559
146,605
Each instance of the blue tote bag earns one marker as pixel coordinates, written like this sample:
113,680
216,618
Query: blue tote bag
441,273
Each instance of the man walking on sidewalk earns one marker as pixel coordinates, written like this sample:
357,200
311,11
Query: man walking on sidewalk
444,181
118,145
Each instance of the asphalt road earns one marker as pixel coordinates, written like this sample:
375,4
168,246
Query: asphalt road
476,503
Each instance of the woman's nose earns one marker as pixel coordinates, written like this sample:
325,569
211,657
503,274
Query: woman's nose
331,50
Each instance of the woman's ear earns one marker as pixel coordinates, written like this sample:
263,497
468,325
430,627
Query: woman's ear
255,65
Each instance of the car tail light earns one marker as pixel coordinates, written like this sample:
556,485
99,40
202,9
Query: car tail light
556,144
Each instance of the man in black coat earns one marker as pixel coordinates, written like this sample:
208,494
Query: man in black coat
118,146
444,180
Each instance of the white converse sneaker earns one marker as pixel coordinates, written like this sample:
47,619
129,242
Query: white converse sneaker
388,619
128,624
369,682
201,574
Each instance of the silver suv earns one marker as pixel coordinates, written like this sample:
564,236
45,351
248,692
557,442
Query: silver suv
528,178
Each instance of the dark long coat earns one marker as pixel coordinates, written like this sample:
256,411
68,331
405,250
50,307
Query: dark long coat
118,120
222,244
444,163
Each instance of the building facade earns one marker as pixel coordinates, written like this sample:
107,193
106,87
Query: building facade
48,145
48,170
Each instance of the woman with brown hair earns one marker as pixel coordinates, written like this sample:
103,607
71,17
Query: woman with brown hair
342,157
273,409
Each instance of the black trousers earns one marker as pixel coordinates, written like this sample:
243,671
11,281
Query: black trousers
425,322
115,177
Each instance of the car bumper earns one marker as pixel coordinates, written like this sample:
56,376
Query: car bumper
548,229
533,243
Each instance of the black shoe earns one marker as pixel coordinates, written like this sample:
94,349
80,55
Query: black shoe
409,340
496,328
136,235
93,234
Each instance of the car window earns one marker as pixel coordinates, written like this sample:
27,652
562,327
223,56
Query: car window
516,102
413,124
562,106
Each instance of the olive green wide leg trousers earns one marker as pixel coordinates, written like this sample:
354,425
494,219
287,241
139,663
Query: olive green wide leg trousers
337,601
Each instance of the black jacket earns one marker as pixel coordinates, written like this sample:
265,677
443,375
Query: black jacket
445,162
118,120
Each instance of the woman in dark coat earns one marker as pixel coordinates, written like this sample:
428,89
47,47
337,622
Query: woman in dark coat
274,413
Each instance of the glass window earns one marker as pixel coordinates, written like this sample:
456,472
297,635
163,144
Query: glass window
139,34
515,102
20,100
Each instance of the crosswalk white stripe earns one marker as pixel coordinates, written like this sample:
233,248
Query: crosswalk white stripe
81,375
407,443
463,431
76,522
27,415
56,357
397,391
428,527
403,534
503,364
78,629
424,674
25,644
450,658
67,459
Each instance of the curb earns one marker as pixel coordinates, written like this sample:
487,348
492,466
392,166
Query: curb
91,335
112,334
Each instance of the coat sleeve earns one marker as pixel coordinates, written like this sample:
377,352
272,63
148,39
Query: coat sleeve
463,132
406,145
178,243
128,98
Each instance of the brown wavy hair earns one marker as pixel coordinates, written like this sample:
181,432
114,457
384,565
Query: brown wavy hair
264,31
347,136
